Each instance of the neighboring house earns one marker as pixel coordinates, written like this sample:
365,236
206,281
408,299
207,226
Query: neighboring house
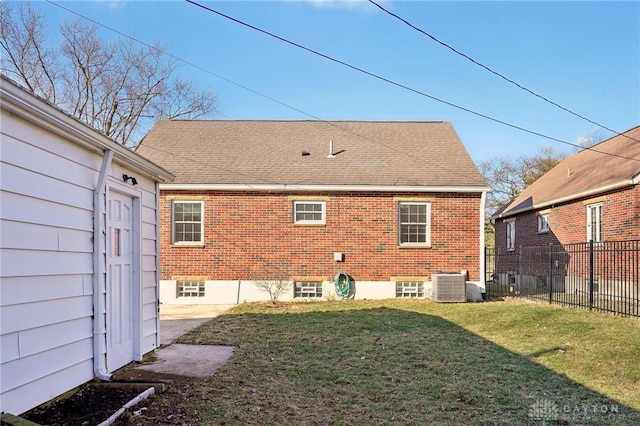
78,252
387,204
593,195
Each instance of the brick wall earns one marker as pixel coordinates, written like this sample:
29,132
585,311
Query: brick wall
568,221
251,235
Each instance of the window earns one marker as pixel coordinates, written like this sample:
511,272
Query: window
511,234
309,212
307,289
409,289
543,222
415,224
594,222
187,222
190,289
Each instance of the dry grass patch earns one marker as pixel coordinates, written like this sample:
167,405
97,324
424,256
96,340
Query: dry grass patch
417,362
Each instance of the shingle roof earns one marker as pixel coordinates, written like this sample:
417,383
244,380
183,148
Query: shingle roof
271,152
582,174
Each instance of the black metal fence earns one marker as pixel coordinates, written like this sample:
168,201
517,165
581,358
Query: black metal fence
598,276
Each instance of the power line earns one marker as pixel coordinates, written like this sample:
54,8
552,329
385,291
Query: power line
386,80
496,73
333,124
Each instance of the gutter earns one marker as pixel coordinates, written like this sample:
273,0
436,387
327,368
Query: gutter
317,188
22,103
588,193
99,233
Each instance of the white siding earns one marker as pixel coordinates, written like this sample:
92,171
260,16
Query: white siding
46,262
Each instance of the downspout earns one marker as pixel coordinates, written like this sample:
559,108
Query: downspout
99,232
157,265
483,272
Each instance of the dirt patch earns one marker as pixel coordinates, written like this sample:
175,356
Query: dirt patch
94,403
90,405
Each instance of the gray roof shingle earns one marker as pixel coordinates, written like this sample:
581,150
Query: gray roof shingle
270,152
583,172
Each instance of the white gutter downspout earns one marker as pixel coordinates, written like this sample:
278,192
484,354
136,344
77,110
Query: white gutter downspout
483,272
99,233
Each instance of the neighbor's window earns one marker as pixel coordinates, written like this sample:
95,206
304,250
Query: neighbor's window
307,289
543,222
309,212
594,222
409,289
187,222
414,227
511,234
190,289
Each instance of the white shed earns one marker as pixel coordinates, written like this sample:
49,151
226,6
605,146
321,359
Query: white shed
78,252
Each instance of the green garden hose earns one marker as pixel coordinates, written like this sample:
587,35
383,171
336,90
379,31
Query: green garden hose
342,284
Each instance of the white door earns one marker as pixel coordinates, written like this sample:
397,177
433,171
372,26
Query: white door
120,284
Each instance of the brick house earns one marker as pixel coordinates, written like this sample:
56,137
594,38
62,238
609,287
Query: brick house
593,195
387,204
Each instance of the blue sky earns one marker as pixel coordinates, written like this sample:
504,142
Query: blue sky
583,55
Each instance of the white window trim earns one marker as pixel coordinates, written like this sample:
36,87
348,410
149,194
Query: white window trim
599,234
173,224
544,222
427,243
510,239
322,221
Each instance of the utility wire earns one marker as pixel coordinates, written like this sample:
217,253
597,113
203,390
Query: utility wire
386,80
496,73
331,123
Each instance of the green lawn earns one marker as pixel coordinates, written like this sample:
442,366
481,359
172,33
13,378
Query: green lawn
418,362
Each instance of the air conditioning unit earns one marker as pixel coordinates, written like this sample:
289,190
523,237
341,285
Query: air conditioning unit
448,288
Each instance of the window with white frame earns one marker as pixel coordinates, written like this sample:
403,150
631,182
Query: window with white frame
543,222
307,289
188,224
510,229
309,212
409,289
594,222
190,289
415,223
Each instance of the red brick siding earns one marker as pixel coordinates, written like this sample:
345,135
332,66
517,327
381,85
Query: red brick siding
568,221
250,235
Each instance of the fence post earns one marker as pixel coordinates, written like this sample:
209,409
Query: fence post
519,274
590,275
550,272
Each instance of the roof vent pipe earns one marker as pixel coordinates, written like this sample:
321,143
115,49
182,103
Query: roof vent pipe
330,149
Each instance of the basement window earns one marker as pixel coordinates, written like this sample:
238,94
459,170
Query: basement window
307,289
190,289
409,289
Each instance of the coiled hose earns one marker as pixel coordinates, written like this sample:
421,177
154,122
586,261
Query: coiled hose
342,283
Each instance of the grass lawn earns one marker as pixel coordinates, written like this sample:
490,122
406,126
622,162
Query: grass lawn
423,363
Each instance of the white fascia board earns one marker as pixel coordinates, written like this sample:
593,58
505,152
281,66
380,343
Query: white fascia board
20,102
583,194
317,188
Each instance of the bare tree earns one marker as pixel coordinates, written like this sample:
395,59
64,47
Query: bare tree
592,137
275,279
117,87
274,287
508,176
27,58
